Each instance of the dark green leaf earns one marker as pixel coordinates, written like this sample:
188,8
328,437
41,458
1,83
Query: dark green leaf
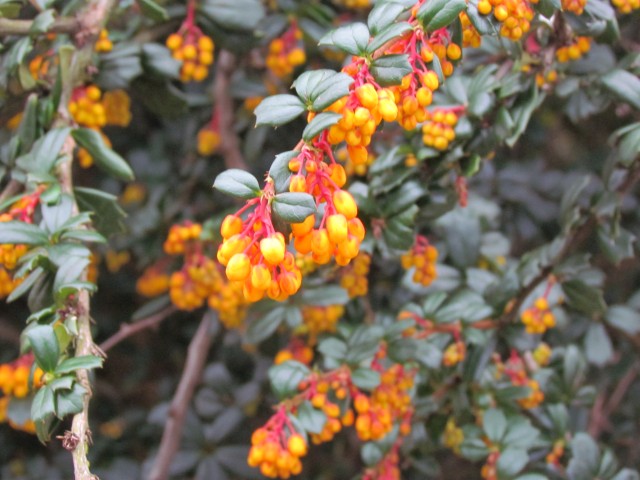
383,15
365,378
320,122
390,69
43,404
86,362
286,377
597,345
243,15
324,296
44,343
311,419
262,328
623,84
42,22
152,10
69,402
583,297
102,154
352,39
624,318
293,207
333,348
238,183
280,172
494,424
16,233
320,88
436,14
26,284
278,109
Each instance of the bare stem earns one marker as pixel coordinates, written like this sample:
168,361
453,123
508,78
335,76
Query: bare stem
196,358
23,27
229,145
128,329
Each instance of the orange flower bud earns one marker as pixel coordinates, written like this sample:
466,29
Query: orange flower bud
337,228
345,204
239,267
231,225
272,250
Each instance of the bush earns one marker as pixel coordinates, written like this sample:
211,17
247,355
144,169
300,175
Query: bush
417,259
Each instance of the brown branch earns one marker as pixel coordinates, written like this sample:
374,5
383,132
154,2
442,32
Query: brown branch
128,329
196,358
8,333
23,27
90,20
229,144
12,188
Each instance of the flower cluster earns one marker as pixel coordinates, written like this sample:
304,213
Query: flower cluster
438,128
192,48
86,107
423,257
516,371
255,255
387,468
340,231
470,36
276,448
353,277
286,52
556,453
296,350
538,318
209,136
103,44
575,50
321,319
16,379
117,108
626,6
353,4
453,436
489,470
574,6
454,353
200,279
514,15
153,282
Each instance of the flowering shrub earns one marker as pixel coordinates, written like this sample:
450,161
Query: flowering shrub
418,256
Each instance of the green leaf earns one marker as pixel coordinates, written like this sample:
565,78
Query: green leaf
436,14
352,39
69,402
108,217
286,377
280,172
365,378
243,15
17,233
390,69
583,297
42,22
45,151
623,84
43,404
311,419
511,462
86,362
157,59
333,348
616,246
371,454
383,15
263,327
324,296
44,343
391,32
320,88
26,284
624,318
152,10
102,154
238,183
321,122
494,424
293,207
597,345
278,109
83,236
585,457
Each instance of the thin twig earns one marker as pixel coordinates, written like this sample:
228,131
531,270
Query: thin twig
229,144
128,329
196,358
23,27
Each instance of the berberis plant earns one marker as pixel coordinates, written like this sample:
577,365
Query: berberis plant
417,260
